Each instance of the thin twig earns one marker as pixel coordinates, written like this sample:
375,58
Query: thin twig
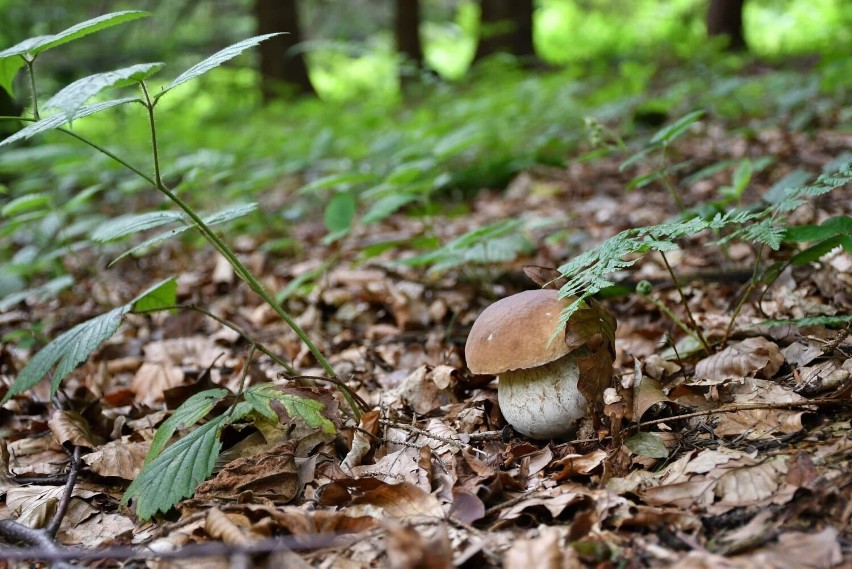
227,324
412,429
43,545
688,312
49,551
53,527
752,407
508,503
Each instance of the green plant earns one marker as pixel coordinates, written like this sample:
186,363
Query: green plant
72,347
764,225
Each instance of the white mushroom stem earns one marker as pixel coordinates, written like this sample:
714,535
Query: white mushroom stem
543,402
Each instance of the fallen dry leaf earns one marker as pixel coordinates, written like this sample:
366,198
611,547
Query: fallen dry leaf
121,458
754,356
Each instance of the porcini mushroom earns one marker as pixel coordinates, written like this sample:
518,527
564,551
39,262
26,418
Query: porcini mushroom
514,339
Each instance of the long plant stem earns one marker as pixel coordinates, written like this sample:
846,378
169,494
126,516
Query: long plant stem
241,270
31,73
668,183
686,309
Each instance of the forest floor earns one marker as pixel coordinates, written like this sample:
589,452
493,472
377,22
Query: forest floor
756,469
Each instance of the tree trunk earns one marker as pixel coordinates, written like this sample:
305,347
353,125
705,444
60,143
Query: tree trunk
407,32
522,16
725,18
505,26
280,65
407,29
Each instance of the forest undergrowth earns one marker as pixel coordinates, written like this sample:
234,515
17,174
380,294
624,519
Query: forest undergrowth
734,453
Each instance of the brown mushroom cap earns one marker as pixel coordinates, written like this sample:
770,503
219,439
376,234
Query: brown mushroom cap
515,333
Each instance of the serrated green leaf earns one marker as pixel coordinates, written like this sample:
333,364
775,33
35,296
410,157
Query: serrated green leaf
214,61
70,349
669,133
72,97
227,214
36,45
177,471
26,203
124,225
58,120
340,212
260,397
189,413
646,444
159,296
337,181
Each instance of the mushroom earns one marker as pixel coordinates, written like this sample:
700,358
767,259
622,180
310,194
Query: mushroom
514,339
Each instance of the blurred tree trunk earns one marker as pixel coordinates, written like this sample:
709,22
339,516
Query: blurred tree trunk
407,29
407,32
280,65
725,18
505,26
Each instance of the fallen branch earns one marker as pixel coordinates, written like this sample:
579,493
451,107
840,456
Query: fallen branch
751,407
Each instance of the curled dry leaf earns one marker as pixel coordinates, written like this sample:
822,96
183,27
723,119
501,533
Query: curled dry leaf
547,551
272,472
121,459
219,526
427,388
647,393
401,501
418,548
754,356
72,428
579,464
361,440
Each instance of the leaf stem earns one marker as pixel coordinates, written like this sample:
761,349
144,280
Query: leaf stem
239,268
31,73
697,331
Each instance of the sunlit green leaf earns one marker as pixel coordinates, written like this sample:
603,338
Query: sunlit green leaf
296,402
159,296
9,67
227,214
36,45
131,223
669,133
214,61
71,98
26,203
58,120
